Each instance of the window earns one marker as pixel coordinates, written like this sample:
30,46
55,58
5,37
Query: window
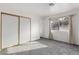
60,23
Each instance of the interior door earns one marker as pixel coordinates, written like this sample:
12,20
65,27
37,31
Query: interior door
9,30
24,30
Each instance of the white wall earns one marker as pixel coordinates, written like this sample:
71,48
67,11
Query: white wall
35,27
75,22
41,21
61,35
45,27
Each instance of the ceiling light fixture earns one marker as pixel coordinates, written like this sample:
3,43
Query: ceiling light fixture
51,4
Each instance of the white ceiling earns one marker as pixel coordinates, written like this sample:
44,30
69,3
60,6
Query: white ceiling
63,7
41,9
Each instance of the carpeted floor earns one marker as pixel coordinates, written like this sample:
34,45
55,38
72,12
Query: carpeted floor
43,47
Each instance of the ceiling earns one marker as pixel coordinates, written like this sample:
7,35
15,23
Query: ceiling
41,9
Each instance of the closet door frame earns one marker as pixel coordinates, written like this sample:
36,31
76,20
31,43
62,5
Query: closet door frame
1,49
0,31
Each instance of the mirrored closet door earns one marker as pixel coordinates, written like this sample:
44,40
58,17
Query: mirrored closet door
24,30
9,30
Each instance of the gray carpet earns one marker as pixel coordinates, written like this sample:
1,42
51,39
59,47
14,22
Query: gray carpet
50,47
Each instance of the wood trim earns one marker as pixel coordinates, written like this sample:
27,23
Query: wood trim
14,15
25,17
10,47
49,28
30,29
18,30
60,16
71,36
50,35
1,31
9,14
30,38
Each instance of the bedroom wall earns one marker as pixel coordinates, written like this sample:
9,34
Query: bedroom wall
75,21
45,27
35,27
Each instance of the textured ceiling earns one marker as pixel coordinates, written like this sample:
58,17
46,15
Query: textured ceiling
41,9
